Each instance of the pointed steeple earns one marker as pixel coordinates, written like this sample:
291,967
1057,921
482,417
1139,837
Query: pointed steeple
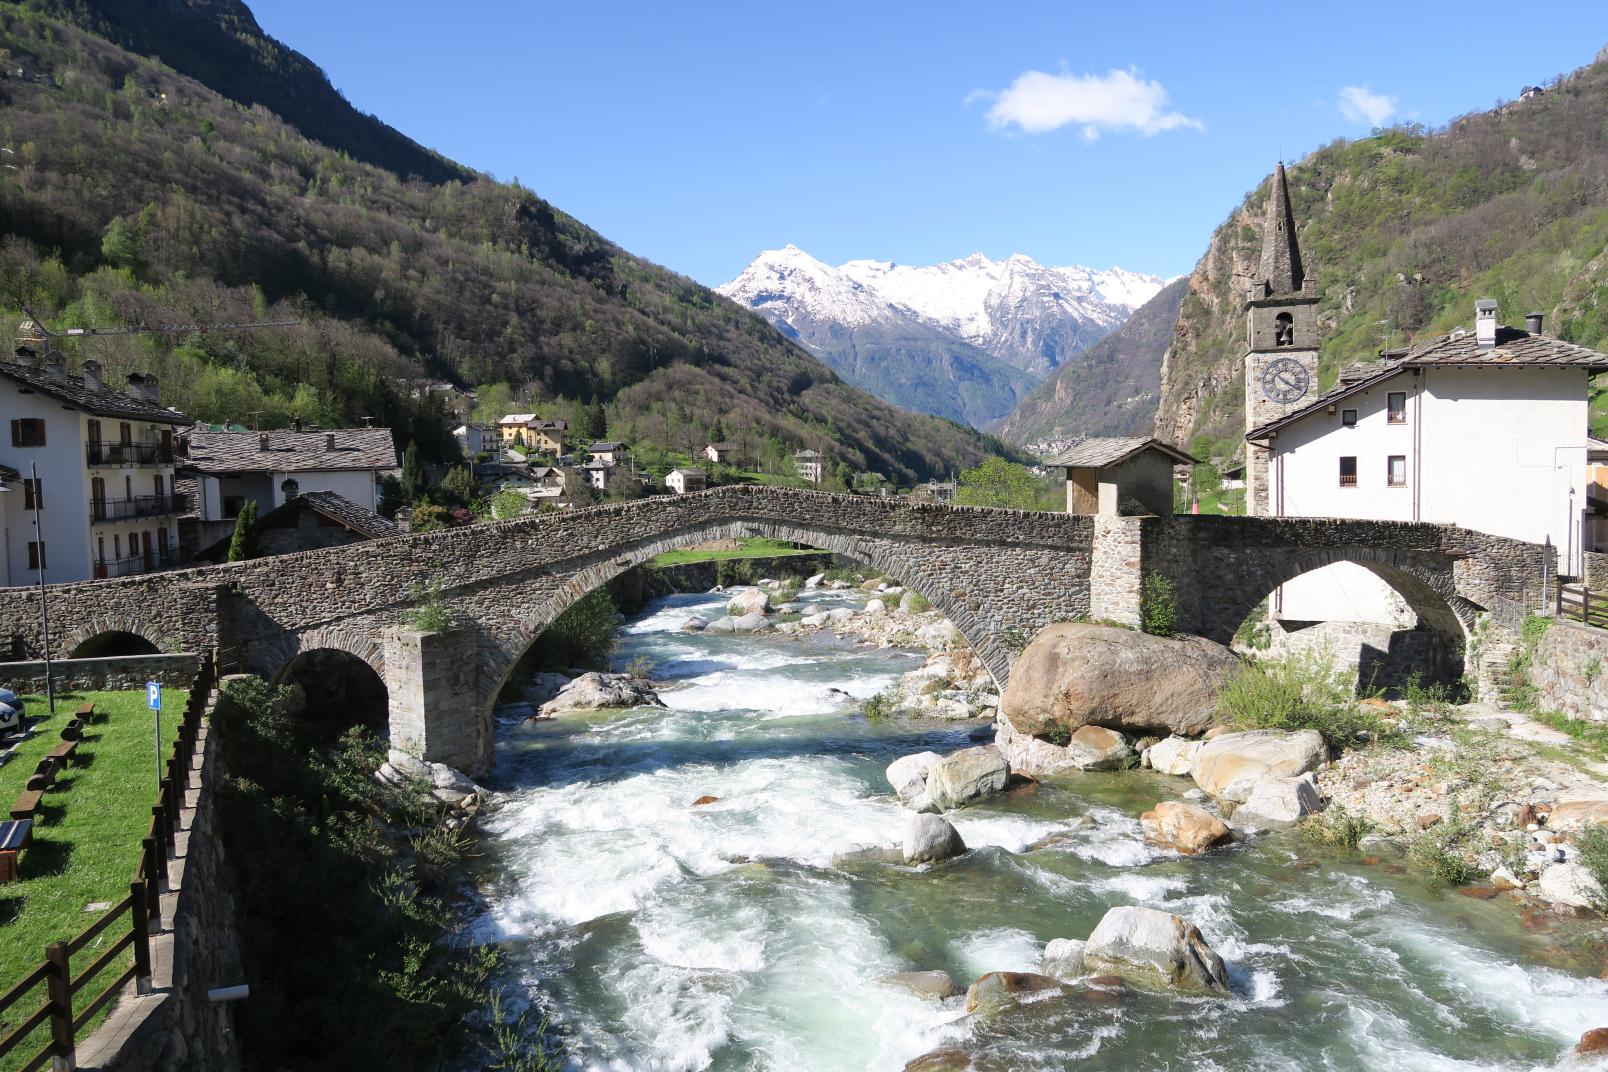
1281,271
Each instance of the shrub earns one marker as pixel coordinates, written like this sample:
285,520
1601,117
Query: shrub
1337,827
1057,735
1299,692
1158,605
918,603
1592,842
878,707
1439,852
430,614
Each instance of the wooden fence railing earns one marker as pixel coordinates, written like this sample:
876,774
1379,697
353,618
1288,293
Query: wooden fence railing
1576,602
66,1013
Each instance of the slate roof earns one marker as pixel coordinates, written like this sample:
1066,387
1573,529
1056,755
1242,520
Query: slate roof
517,418
698,473
187,489
723,446
340,509
1102,451
1515,348
605,446
103,401
289,451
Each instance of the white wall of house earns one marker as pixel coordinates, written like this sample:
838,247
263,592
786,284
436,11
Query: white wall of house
1497,450
361,486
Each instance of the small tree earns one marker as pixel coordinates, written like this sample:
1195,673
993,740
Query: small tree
459,486
507,504
1158,605
414,482
428,517
246,541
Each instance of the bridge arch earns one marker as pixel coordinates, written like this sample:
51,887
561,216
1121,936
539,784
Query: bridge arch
544,601
337,688
111,635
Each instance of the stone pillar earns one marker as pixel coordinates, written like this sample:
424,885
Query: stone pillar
1116,566
436,711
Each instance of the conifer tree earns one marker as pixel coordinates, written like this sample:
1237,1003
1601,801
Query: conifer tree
414,482
247,539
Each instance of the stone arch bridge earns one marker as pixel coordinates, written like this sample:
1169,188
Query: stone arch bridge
1000,576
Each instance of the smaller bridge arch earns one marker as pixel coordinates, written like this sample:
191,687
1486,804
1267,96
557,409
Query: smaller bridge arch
111,635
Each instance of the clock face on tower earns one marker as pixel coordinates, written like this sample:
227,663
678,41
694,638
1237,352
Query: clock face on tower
1285,380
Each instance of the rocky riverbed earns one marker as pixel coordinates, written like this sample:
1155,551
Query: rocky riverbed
758,875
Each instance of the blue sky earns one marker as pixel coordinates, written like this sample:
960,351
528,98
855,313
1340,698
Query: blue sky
698,134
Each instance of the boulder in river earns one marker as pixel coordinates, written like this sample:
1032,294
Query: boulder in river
997,991
594,691
814,581
1098,748
930,838
746,623
966,776
1184,828
1277,801
748,601
1174,755
1229,765
908,776
1573,885
1076,674
695,624
936,985
1089,748
1063,959
1146,945
1577,811
874,607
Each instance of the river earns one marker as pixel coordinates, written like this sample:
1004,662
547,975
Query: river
662,935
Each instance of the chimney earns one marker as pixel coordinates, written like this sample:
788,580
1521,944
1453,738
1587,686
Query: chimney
136,385
295,424
150,388
329,440
26,356
1485,323
92,374
262,441
55,365
1532,323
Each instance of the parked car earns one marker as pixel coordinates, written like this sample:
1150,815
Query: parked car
11,712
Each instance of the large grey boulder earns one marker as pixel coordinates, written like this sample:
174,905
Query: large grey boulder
1090,748
695,624
748,601
1063,959
930,838
594,691
1098,748
1228,767
966,776
936,985
1571,884
1278,801
1145,945
1076,674
908,776
1175,755
745,623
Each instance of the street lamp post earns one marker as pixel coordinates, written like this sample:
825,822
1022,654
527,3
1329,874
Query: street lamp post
44,603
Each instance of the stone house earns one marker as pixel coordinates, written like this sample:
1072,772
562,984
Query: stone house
308,522
608,452
1121,476
721,453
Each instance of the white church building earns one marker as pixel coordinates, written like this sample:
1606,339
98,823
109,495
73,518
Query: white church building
1485,429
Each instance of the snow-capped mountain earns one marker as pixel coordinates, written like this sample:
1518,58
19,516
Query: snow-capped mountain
963,339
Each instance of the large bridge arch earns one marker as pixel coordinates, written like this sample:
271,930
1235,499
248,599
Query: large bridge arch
544,601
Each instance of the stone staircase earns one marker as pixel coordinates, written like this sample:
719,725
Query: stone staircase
1498,684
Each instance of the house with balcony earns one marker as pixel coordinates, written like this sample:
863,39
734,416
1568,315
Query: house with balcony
810,465
533,432
271,468
95,467
682,481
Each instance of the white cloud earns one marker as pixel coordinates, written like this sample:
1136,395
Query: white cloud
1037,103
1362,105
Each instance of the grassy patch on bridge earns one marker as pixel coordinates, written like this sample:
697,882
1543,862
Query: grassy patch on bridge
750,547
86,841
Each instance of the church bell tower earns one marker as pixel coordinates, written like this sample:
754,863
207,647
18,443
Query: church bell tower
1281,358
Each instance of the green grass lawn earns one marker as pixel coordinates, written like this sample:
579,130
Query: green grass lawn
752,547
86,841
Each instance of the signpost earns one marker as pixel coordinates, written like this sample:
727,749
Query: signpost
153,700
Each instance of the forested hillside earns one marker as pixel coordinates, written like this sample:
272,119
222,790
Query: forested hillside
138,195
1111,389
1404,230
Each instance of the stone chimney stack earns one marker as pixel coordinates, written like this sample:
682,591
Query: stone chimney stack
91,371
1532,323
151,394
1485,323
56,365
26,356
136,385
329,440
262,441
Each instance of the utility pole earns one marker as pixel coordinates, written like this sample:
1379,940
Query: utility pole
44,603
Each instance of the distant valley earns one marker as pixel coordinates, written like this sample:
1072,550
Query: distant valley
967,339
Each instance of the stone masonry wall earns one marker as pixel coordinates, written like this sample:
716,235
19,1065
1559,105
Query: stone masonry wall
1570,671
110,673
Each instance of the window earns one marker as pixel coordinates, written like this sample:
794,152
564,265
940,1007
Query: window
1348,417
1348,472
1396,472
159,486
117,546
125,434
1283,330
36,555
28,432
94,431
1396,407
33,494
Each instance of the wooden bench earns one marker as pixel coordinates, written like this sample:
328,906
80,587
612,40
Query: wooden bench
15,835
71,735
87,714
42,778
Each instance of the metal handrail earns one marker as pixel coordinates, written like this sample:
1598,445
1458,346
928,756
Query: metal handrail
103,509
107,453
